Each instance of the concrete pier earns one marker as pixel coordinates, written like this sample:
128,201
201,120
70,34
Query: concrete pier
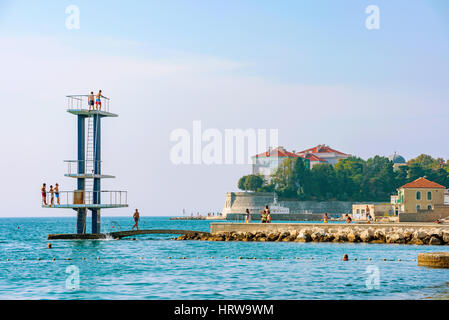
434,259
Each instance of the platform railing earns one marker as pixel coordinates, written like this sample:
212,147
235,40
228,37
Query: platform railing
81,102
80,197
89,165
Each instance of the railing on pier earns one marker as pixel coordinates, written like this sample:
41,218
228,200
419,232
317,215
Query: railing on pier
80,197
90,167
81,102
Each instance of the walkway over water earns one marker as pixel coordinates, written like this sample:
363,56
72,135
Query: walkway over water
119,234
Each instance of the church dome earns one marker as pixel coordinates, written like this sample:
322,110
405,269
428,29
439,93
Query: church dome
397,159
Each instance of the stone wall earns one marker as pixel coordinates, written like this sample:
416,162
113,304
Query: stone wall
238,202
417,233
439,212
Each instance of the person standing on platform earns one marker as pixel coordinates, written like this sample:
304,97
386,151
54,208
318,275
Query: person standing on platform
57,194
91,100
325,218
98,100
52,195
44,194
136,217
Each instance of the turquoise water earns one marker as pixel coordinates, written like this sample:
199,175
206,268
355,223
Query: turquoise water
141,269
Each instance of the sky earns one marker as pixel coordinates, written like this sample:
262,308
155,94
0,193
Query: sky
310,69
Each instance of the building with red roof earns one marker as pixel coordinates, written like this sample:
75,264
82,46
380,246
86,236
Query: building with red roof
322,154
420,195
266,163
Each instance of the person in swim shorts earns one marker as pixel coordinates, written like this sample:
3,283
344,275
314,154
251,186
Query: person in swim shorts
98,100
44,194
52,195
91,100
56,189
136,217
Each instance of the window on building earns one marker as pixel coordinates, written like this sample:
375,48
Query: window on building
418,207
358,211
418,195
429,207
429,195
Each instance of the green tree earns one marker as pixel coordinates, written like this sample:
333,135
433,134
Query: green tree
253,183
241,183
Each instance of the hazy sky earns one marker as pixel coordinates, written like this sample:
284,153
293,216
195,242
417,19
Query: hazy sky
310,69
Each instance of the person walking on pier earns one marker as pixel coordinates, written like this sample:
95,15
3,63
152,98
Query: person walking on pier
91,100
44,194
136,217
248,216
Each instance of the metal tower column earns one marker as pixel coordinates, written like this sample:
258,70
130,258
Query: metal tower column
96,216
81,213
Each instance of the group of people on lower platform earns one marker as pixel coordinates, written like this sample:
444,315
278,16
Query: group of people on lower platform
54,192
265,216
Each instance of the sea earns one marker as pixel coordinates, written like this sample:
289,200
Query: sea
158,267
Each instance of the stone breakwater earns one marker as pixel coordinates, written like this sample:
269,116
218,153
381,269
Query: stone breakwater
398,235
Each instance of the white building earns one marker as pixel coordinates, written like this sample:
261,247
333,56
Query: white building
322,154
266,163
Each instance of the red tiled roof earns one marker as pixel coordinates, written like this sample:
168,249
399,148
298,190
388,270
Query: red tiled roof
322,149
277,152
422,183
312,157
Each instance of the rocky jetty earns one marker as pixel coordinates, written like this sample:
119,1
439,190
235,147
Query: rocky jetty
399,235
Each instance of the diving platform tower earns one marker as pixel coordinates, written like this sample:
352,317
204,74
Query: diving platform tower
87,170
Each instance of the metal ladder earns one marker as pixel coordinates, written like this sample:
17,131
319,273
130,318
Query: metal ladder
90,163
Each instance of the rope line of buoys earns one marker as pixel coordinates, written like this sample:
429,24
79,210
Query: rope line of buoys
345,258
